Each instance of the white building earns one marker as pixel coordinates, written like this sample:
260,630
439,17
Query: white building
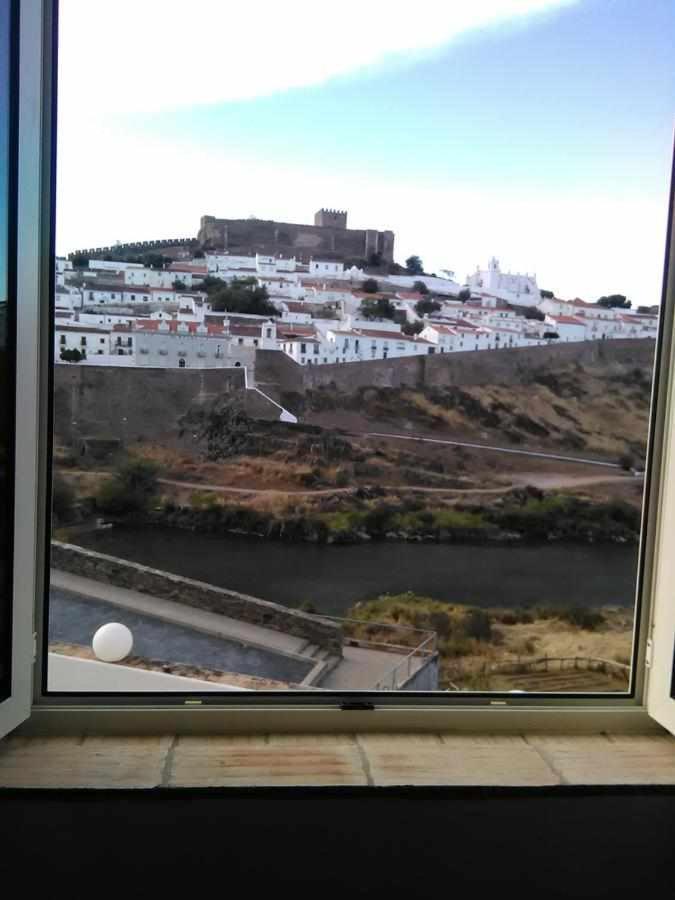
520,290
568,328
91,340
326,269
181,345
156,278
114,294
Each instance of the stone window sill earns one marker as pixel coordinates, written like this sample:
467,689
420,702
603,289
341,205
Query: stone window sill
354,760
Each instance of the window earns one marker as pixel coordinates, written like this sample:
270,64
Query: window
62,339
83,341
436,546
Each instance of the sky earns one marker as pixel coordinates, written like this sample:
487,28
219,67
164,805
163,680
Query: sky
538,131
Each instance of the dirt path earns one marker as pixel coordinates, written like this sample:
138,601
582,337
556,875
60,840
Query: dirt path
535,479
538,454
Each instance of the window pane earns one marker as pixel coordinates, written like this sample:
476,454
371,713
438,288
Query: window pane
7,188
385,393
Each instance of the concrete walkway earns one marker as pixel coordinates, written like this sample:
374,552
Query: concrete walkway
180,614
360,669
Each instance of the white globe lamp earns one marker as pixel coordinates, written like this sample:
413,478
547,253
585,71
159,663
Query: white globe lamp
112,642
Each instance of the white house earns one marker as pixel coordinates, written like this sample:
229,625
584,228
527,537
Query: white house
326,268
157,278
88,339
115,294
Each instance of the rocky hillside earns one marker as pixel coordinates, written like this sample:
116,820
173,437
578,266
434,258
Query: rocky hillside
603,410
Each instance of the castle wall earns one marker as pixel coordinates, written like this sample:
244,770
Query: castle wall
251,236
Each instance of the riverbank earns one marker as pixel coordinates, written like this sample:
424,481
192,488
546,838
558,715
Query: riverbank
521,515
543,648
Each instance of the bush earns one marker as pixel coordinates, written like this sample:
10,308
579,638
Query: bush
586,619
131,489
370,286
477,625
63,499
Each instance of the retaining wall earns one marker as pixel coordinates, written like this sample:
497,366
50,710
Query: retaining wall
243,607
277,373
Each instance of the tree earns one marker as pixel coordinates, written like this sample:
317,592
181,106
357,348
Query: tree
551,335
211,285
414,265
614,301
426,307
377,308
243,295
156,260
412,327
79,260
179,285
131,489
547,294
464,295
531,312
375,259
370,286
198,254
73,356
420,287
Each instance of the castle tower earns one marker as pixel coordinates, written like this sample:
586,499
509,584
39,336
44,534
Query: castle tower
331,218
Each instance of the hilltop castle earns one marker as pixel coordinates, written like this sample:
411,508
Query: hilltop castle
328,238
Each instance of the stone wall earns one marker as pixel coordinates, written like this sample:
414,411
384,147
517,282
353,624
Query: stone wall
280,375
243,607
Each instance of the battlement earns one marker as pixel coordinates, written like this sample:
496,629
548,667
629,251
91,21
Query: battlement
331,218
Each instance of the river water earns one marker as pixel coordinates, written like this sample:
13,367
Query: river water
335,577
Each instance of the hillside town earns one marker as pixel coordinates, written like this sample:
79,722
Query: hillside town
176,311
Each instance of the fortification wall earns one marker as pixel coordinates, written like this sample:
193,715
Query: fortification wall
280,375
133,403
249,236
243,607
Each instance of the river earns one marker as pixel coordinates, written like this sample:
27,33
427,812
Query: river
335,577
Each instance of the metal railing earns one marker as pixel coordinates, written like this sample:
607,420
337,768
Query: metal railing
400,675
419,643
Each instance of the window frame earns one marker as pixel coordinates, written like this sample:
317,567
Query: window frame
281,711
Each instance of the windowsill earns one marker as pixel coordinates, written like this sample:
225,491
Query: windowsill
339,760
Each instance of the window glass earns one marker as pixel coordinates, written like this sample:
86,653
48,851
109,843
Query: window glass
478,204
7,299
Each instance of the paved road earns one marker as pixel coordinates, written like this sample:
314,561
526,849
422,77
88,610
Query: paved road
74,619
534,453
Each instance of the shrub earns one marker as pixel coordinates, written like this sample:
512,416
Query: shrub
131,489
63,499
587,619
477,625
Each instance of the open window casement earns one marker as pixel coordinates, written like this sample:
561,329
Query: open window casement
25,202
661,638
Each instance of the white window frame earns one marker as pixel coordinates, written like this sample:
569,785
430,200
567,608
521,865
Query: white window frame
255,712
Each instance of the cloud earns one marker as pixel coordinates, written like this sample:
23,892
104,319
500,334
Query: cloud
145,56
